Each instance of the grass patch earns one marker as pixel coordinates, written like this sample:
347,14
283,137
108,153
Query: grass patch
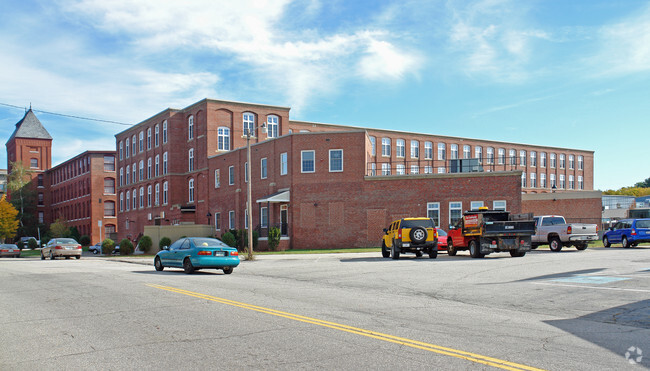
26,253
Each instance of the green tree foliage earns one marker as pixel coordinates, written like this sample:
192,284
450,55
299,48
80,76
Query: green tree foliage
126,247
59,228
629,191
274,238
165,241
32,244
643,184
144,244
8,219
84,240
229,239
17,183
74,233
108,246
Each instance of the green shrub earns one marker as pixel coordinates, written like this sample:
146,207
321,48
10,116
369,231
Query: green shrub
229,239
20,244
108,246
126,247
244,239
165,241
145,244
274,238
32,244
84,240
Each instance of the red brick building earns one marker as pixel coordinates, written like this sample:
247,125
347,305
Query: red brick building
188,166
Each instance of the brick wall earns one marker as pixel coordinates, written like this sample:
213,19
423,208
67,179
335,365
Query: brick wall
577,207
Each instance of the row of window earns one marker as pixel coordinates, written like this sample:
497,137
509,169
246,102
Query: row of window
456,210
136,144
513,158
264,219
552,181
135,173
78,167
79,210
134,200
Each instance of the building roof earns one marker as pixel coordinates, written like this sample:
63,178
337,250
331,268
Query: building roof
30,127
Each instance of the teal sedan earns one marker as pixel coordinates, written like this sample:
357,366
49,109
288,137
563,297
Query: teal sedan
194,253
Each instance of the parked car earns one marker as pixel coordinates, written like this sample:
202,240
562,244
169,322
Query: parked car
556,232
9,250
96,248
194,253
628,232
413,235
61,247
442,239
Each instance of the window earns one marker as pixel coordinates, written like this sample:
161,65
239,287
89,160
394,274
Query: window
512,154
127,148
415,169
217,178
562,181
190,187
164,133
156,135
149,196
128,171
122,176
373,169
133,145
533,158
571,182
467,150
149,138
164,169
475,205
553,161
336,160
121,201
542,180
263,168
223,139
385,147
455,212
478,153
307,159
149,168
141,197
433,212
442,151
580,163
231,175
385,168
231,219
441,170
454,152
190,157
490,156
121,150
157,165
109,186
109,163
133,173
523,179
264,217
552,181
141,142
249,124
157,194
400,151
533,180
283,163
128,200
108,229
109,208
190,127
542,159
581,184
400,170
499,205
165,189
135,200
428,151
40,199
272,126
522,158
562,161
41,217
141,171
428,169
571,162
217,221
373,146
415,149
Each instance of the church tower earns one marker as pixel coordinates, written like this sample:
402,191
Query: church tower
31,145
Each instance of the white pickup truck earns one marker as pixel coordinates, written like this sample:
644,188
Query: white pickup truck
554,231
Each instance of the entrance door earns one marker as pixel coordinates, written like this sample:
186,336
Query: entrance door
284,217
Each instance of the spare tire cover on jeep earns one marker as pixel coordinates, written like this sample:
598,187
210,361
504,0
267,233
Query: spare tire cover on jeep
418,235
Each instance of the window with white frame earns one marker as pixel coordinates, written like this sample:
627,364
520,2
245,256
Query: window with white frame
373,146
373,169
217,221
109,208
264,217
121,176
385,168
157,194
542,159
428,150
134,145
490,155
512,157
231,219
542,180
141,197
385,147
455,212
415,169
272,126
149,138
128,200
231,175
249,124
121,201
223,139
533,158
141,141
441,170
571,182
433,213
307,160
581,184
552,181
580,163
217,178
562,181
415,149
478,153
522,158
552,161
190,127
121,150
283,163
562,161
157,165
263,171
400,169
149,168
128,174
475,205
165,190
454,152
523,179
127,148
442,151
533,180
164,132
164,167
336,160
399,148
149,195
190,157
428,169
499,205
190,187
467,151
502,156
141,171
156,135
571,162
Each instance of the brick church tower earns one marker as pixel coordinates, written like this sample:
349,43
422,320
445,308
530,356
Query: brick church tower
31,145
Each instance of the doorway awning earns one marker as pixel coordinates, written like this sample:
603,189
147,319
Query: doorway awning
282,196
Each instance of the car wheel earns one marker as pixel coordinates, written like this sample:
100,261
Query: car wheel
555,244
433,252
418,235
95,252
51,256
517,254
474,249
42,256
67,257
158,264
227,270
78,257
187,266
625,242
606,242
581,246
394,252
384,250
451,250
418,254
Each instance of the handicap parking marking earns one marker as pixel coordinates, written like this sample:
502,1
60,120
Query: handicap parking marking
597,280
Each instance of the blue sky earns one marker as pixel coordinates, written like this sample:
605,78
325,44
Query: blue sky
561,73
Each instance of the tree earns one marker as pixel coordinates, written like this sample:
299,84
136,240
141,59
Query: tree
643,184
59,228
8,220
144,244
17,181
274,238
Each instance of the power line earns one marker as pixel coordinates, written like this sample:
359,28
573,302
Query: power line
71,116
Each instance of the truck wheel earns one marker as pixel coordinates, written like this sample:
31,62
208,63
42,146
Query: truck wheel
418,235
517,253
606,242
384,250
433,252
451,250
394,252
625,242
555,244
474,249
534,246
581,246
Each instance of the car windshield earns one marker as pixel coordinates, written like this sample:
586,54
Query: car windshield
643,223
425,223
441,232
208,242
65,240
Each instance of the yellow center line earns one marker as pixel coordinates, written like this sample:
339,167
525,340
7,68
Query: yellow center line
477,358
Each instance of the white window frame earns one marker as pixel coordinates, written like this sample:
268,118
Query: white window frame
453,151
400,148
542,180
141,171
263,169
264,217
164,169
332,162
373,146
497,205
127,142
272,126
190,188
149,168
141,197
164,132
501,157
385,168
415,169
571,162
248,124
223,138
283,163
533,180
415,149
581,163
400,169
385,147
467,151
542,159
562,161
231,219
428,150
302,161
231,175
156,135
475,205
442,152
157,194
455,206
190,127
121,150
128,200
141,142
148,138
533,159
190,157
157,167
149,195
489,156
434,208
165,193
217,178
522,157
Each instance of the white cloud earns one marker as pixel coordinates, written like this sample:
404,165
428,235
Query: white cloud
383,60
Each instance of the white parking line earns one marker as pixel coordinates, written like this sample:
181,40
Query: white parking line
589,287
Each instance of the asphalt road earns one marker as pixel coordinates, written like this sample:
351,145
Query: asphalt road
558,311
